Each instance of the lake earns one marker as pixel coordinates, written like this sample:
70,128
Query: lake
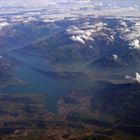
38,83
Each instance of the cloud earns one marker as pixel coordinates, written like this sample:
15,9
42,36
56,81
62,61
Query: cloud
73,30
123,23
86,32
135,44
136,78
131,34
86,37
26,3
3,24
77,38
115,57
53,10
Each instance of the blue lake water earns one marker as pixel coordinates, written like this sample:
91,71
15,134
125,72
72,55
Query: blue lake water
38,83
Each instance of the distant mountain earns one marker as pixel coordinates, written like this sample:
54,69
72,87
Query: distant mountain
22,34
97,43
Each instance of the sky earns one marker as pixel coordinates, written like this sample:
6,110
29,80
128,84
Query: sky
7,3
66,8
36,3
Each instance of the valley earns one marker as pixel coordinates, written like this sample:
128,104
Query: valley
70,80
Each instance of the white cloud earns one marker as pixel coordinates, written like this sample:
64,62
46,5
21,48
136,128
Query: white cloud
123,23
73,30
59,9
135,44
3,24
26,3
77,38
131,34
115,57
85,37
86,32
136,78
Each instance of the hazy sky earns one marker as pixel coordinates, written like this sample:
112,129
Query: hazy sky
46,2
26,2
122,2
